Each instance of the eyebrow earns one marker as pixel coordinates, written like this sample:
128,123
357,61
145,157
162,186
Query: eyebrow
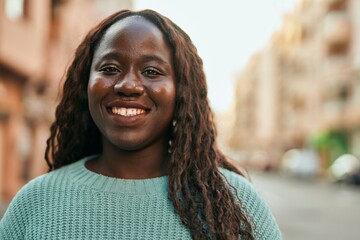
149,58
146,57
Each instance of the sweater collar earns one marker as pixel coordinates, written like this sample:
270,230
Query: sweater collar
80,174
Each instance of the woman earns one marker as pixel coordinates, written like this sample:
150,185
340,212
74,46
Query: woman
132,151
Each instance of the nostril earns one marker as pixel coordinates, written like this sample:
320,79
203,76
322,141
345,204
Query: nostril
127,88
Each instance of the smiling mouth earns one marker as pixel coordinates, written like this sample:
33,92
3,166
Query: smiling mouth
127,112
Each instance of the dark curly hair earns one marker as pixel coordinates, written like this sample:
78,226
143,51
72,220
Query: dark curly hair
199,192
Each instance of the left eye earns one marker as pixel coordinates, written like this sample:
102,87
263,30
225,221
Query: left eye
109,70
152,72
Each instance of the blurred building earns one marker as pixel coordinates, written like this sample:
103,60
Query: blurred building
37,40
302,89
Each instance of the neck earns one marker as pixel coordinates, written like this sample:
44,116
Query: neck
147,163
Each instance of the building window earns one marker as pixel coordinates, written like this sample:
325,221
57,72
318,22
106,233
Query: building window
338,49
15,9
337,5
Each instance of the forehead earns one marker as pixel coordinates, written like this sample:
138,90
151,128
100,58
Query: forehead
131,30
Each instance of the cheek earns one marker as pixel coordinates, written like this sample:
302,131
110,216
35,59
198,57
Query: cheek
96,91
96,88
165,92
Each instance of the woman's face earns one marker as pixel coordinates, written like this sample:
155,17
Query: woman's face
131,90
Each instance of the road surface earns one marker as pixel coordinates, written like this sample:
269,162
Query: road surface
309,209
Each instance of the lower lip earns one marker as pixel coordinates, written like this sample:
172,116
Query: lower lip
127,121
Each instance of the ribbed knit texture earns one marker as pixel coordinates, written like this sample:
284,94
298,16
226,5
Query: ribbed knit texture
75,203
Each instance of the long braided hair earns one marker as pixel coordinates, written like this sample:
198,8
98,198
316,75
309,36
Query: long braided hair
199,193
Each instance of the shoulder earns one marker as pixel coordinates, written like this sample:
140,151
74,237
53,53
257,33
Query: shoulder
255,208
36,190
23,207
27,195
241,185
44,181
32,201
234,179
243,189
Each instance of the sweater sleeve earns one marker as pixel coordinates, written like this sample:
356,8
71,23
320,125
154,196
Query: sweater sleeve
16,218
12,225
263,223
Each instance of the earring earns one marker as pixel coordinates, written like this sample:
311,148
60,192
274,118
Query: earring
170,139
170,146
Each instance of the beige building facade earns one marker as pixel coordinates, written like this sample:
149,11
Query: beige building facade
302,86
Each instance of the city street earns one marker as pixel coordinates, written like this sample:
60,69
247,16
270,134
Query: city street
309,209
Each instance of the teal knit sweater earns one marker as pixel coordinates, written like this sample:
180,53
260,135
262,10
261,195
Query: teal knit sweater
75,203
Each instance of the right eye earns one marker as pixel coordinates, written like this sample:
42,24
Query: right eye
109,70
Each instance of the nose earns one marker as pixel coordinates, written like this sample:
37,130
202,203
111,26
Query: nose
129,85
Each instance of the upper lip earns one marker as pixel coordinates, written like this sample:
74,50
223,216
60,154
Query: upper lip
127,104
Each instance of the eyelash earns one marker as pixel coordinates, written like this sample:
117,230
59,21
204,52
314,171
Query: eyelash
109,70
152,72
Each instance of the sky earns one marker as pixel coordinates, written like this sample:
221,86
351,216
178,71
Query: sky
226,33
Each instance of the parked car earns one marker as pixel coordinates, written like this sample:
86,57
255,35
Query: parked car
346,168
300,162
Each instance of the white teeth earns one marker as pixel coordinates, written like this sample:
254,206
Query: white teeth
122,111
127,112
